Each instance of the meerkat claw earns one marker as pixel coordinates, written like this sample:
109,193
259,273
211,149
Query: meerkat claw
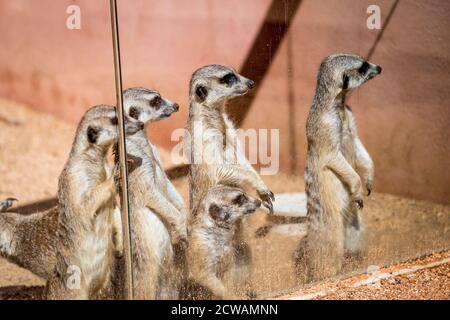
359,203
369,187
269,206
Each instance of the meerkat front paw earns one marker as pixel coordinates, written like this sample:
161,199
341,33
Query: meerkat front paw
179,235
118,253
178,239
267,197
358,195
359,201
369,186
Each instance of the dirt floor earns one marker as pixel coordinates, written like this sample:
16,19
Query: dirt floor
427,278
33,150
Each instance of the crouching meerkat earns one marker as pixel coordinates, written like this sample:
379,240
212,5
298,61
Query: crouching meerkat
86,200
211,235
158,214
29,240
334,189
216,156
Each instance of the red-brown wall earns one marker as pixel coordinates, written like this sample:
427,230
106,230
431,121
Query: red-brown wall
403,116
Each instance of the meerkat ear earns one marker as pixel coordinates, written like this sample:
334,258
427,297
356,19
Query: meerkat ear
134,113
201,92
216,212
345,82
92,134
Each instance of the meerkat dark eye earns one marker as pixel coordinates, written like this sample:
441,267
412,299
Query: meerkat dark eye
240,199
114,121
134,113
364,68
216,212
92,134
156,102
345,82
229,79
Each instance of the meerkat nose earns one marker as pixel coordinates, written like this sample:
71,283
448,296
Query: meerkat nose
251,84
379,69
176,106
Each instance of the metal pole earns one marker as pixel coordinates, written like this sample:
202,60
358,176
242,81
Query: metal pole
128,277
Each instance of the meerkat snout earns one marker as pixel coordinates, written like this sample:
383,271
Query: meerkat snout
369,70
229,204
250,84
247,204
170,108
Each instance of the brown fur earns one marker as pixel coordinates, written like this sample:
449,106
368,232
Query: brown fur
211,87
212,234
208,98
158,213
28,241
333,187
86,199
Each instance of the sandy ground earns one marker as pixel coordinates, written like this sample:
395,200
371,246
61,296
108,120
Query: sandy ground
417,279
33,150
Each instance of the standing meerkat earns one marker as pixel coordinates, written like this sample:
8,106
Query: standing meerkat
31,240
86,199
216,156
158,214
211,233
211,87
333,187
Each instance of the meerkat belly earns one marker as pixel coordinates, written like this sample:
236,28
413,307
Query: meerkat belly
96,250
152,238
348,148
333,191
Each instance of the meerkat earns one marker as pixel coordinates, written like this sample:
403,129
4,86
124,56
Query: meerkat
86,200
211,87
158,214
37,232
29,240
333,187
211,234
216,156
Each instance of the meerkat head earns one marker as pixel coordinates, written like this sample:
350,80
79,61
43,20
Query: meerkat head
347,71
100,126
225,205
214,84
146,105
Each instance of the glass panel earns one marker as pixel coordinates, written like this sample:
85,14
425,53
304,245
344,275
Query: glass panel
53,68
